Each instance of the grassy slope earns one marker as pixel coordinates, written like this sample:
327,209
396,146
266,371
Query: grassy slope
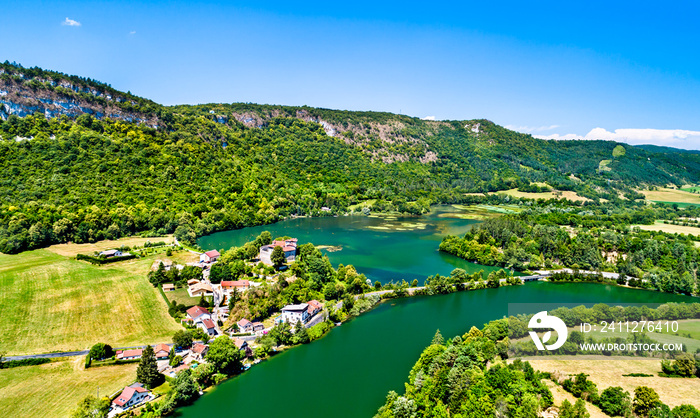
606,372
54,303
680,229
54,389
544,195
71,250
671,196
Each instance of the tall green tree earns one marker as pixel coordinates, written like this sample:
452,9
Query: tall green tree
645,399
147,370
277,257
224,356
301,334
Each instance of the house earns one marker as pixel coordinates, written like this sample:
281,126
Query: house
199,351
111,253
289,246
258,326
243,346
130,396
314,307
229,285
129,354
197,313
162,351
292,314
209,256
208,326
244,325
200,289
191,282
168,287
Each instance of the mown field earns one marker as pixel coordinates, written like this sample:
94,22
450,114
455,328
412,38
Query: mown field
544,195
71,250
54,389
664,195
50,302
609,371
674,229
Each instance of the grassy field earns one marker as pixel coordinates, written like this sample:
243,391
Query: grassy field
71,250
663,227
691,189
607,371
49,302
54,389
545,195
181,296
664,195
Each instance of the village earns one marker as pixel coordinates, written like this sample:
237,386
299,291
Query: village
205,324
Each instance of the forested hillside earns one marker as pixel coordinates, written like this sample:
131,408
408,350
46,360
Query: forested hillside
80,161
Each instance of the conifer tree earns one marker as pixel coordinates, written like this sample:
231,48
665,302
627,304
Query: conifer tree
147,372
438,339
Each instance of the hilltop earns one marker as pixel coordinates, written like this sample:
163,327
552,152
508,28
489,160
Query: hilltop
81,161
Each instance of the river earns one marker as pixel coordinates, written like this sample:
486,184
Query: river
383,248
348,372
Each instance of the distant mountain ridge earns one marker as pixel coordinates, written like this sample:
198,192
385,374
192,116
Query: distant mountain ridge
81,161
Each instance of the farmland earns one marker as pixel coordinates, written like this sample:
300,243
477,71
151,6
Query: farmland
55,303
55,388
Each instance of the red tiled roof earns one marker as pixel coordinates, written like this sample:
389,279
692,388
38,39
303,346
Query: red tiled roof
131,353
288,248
314,306
199,348
235,283
161,347
212,253
239,343
127,394
243,323
196,311
208,323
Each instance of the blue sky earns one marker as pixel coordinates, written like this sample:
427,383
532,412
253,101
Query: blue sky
629,71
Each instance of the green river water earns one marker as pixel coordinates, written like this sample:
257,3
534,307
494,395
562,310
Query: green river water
348,372
382,248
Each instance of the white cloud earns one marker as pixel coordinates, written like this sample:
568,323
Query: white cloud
428,118
677,138
531,129
133,32
70,22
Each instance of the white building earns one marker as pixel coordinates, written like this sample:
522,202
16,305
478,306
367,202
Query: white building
289,246
130,396
292,314
209,256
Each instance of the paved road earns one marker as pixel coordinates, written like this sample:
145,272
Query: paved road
69,353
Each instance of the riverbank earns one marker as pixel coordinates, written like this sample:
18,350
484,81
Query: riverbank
372,353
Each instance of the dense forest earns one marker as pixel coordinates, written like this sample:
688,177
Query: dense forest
586,239
466,377
106,164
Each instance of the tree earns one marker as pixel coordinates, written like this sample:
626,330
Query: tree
147,371
301,334
182,339
185,389
615,401
281,333
224,356
438,339
684,365
157,277
91,407
277,257
645,399
2,358
577,410
100,351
